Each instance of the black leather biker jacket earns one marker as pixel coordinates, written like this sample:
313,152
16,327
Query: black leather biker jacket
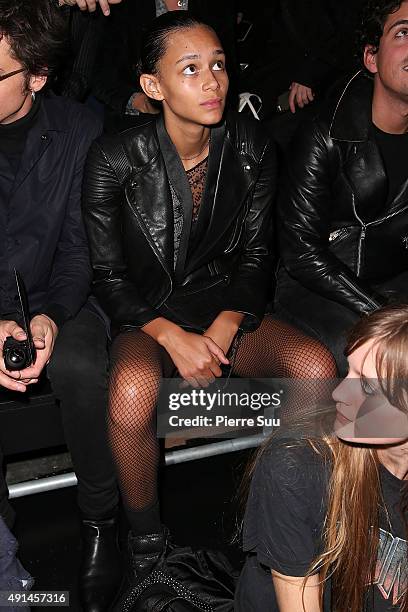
339,236
128,211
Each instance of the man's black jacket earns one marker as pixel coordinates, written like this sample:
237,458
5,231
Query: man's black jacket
340,235
128,211
41,228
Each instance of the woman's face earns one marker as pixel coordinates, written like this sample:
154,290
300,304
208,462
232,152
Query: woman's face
364,415
192,79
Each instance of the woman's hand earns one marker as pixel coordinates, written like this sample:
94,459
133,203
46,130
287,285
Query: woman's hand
223,329
196,357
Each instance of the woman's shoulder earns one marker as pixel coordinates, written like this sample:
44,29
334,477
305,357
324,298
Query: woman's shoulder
137,144
247,135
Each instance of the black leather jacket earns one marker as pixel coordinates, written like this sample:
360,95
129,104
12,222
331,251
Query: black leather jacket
128,212
339,235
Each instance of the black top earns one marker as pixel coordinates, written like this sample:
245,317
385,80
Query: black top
394,152
13,136
284,522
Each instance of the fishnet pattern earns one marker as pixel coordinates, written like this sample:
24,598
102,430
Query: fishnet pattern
137,365
278,350
196,178
136,370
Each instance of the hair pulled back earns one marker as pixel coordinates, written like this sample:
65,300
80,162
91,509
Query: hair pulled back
154,42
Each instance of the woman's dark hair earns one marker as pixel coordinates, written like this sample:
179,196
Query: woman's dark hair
373,18
154,41
36,33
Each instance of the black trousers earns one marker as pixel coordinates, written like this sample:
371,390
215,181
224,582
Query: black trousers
324,319
6,511
78,371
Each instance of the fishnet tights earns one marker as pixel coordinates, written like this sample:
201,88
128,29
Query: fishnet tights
137,365
278,350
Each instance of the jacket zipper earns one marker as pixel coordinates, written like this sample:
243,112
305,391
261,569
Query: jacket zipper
358,291
364,227
337,235
362,235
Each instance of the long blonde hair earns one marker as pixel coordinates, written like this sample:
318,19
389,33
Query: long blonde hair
351,531
351,528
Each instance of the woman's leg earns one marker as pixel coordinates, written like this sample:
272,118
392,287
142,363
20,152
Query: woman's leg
136,370
326,320
279,350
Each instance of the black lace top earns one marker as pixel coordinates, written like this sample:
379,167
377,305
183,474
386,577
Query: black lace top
196,178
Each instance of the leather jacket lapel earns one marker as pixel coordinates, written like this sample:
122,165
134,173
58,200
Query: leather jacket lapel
153,209
178,179
365,172
351,126
213,170
38,141
401,199
231,183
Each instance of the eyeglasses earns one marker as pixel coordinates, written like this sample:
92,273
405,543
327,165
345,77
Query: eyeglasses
3,77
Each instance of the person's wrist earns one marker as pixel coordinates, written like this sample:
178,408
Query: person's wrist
168,334
225,328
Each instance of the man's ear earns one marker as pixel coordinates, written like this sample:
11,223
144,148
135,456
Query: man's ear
37,82
370,59
151,86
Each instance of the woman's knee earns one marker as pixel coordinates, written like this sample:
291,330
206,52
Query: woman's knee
132,398
311,360
298,355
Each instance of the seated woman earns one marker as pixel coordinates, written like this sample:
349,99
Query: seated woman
327,516
179,218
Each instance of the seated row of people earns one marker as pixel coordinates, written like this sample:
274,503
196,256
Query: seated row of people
181,227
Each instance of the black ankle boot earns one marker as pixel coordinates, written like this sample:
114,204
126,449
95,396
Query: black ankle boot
101,564
144,552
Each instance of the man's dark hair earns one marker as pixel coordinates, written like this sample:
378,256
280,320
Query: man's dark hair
36,33
374,16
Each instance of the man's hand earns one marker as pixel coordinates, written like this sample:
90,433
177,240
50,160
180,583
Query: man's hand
44,332
299,95
142,103
90,5
10,380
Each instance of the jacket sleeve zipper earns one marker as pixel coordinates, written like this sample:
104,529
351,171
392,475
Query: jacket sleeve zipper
360,248
358,291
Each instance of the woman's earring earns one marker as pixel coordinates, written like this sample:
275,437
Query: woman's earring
33,96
